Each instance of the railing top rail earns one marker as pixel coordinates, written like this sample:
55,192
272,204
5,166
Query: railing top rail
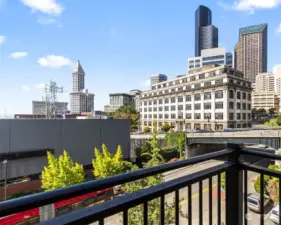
259,152
33,201
262,170
109,208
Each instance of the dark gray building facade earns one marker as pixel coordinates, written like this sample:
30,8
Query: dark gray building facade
79,137
206,35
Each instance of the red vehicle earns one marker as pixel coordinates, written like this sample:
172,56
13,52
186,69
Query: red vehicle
32,216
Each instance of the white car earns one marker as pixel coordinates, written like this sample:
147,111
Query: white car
274,215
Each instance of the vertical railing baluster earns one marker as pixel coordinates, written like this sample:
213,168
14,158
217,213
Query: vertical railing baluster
279,200
162,210
245,197
125,217
262,198
177,218
200,203
101,221
145,213
219,198
210,201
189,205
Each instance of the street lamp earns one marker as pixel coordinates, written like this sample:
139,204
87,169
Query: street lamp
5,165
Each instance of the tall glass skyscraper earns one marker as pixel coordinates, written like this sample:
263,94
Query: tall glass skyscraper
206,35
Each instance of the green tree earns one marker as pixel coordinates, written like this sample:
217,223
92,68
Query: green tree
135,215
146,129
278,120
165,127
61,172
176,140
254,112
106,164
271,111
127,112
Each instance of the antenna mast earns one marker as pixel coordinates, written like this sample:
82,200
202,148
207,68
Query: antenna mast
51,91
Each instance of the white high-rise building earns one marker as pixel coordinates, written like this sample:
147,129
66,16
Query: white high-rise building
80,99
277,77
265,82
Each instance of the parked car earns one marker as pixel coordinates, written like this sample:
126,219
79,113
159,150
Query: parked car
253,202
203,131
228,129
274,215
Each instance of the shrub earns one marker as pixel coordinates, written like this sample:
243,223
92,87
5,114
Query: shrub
146,129
278,120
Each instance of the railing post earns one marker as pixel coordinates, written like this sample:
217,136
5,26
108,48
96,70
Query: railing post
234,189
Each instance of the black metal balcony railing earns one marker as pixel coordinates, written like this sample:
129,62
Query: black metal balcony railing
235,191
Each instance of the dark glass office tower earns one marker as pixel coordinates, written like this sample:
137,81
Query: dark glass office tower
206,35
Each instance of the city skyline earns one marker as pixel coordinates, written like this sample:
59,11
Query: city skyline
120,51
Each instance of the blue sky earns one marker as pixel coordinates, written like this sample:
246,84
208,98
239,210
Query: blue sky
119,43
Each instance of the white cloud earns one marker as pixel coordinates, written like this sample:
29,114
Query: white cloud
2,40
40,86
224,5
17,55
54,61
46,21
251,5
278,29
25,88
50,7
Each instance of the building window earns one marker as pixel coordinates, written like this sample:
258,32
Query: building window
207,84
231,105
243,95
154,102
150,116
145,102
145,116
155,109
231,116
238,115
238,105
180,89
244,116
173,90
219,105
219,116
218,81
244,106
207,95
173,116
180,116
173,100
249,106
166,108
197,85
173,108
160,109
180,107
154,116
197,126
238,95
149,123
160,116
166,100
249,96
180,99
249,116
166,116
149,109
202,76
145,109
192,78
219,94
197,97
188,116
188,126
188,88
188,107
197,116
207,105
160,101
166,91
145,123
188,98
207,116
160,92
231,94
150,103
160,124
197,106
